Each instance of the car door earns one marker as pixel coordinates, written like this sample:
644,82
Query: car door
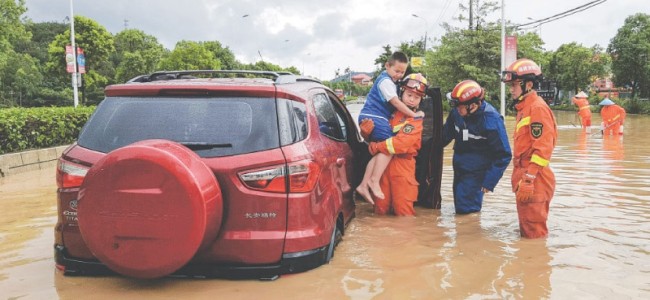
335,134
428,169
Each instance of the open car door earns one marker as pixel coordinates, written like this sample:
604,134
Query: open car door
428,169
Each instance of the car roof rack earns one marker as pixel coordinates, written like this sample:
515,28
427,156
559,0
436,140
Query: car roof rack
280,77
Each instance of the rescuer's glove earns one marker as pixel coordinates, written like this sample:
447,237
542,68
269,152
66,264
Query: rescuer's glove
366,127
525,188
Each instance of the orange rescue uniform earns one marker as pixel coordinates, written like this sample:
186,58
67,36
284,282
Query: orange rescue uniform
613,118
535,136
584,111
398,180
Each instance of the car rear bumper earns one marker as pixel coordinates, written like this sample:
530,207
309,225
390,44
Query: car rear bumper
291,263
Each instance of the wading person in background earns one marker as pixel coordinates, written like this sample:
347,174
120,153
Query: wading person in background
613,117
535,136
481,148
584,110
398,182
381,102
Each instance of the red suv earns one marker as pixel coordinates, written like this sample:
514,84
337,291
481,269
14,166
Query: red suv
183,173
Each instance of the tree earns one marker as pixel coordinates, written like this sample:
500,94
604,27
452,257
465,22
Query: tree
12,33
574,66
383,58
189,55
223,54
12,30
475,54
267,66
21,76
630,50
136,53
97,44
42,35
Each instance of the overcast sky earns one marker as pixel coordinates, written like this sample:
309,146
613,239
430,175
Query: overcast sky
319,36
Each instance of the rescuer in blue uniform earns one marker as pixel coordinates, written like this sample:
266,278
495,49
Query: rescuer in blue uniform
481,148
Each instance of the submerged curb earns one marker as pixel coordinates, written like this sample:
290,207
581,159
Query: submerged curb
15,163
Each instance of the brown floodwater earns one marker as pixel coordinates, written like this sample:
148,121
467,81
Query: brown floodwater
598,246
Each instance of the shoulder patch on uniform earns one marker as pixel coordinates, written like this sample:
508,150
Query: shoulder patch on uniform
536,129
408,128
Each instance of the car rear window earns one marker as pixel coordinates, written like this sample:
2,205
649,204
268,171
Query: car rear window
210,126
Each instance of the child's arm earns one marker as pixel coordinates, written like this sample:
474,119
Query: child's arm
399,105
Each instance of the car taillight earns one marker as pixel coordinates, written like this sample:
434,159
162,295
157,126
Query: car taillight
301,177
69,175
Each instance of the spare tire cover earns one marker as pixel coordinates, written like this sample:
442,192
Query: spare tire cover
147,208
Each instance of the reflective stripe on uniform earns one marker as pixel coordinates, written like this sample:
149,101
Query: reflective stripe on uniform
538,160
389,146
398,127
525,121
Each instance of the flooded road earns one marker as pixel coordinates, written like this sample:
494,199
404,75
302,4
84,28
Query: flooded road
598,245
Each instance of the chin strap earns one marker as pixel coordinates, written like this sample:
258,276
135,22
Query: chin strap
514,102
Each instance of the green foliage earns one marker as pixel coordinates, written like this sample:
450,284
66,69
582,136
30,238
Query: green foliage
223,54
267,66
32,128
42,36
630,50
189,55
136,53
97,44
574,66
474,54
12,30
636,106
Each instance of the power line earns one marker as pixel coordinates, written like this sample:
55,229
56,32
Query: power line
444,10
561,15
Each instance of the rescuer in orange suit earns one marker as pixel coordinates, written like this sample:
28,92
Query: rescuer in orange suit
613,117
535,136
584,110
398,181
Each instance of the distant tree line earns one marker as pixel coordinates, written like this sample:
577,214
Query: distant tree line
475,53
33,66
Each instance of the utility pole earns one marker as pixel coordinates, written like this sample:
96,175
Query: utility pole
74,55
471,14
503,59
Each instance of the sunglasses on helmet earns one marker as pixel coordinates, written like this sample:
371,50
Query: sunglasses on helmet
507,76
455,102
415,85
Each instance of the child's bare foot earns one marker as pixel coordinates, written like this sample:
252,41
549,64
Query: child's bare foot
376,190
365,193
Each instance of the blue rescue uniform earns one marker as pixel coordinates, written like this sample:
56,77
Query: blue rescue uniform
481,154
379,110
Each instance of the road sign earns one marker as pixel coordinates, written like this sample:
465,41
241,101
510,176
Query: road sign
81,60
417,61
69,59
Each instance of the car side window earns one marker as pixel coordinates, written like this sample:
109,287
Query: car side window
292,117
330,123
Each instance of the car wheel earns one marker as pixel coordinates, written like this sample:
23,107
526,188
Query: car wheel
334,240
146,209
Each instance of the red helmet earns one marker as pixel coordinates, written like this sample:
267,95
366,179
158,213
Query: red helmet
522,69
466,92
416,83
